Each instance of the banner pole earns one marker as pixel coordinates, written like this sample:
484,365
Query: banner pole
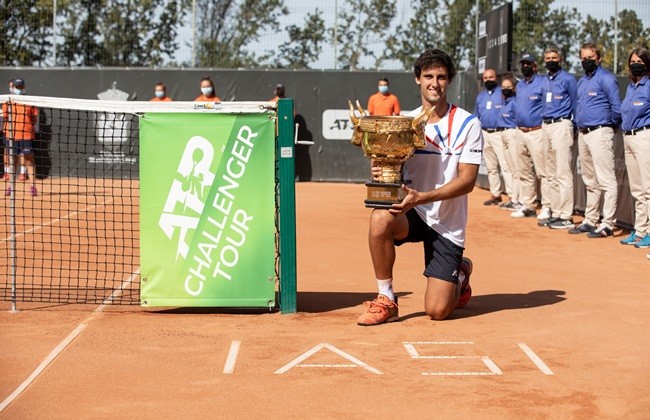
287,188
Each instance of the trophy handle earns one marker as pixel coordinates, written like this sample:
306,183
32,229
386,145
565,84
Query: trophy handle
418,127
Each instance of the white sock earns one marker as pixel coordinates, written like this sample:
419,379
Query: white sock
386,288
22,169
7,169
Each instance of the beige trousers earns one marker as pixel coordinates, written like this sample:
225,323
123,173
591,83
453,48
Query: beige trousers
637,162
495,158
558,141
531,162
509,139
596,150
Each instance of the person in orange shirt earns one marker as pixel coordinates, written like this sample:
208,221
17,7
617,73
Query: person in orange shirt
207,91
19,126
383,102
5,154
160,92
279,93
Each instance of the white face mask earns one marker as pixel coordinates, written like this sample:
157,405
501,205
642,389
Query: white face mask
160,94
206,90
18,91
383,88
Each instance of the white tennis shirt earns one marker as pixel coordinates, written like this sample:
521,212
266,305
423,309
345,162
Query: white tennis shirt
456,138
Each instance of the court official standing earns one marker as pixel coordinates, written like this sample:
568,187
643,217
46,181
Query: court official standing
598,112
488,106
557,132
635,112
509,136
531,159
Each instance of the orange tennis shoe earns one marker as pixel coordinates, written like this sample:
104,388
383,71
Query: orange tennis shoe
379,311
466,267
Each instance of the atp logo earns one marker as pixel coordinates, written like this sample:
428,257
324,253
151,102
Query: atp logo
188,193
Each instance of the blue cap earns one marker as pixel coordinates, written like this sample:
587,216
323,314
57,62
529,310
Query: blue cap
18,82
528,57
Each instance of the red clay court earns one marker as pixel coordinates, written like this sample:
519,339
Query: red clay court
557,328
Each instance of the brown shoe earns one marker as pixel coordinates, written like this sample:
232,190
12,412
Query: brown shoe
493,201
379,311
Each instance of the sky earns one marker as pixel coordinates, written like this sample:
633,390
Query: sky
298,10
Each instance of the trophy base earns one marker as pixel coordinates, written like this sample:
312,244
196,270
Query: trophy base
382,195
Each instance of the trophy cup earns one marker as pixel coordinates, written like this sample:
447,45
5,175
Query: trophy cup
388,142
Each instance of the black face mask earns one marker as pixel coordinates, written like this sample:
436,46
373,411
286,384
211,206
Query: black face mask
508,93
490,84
552,66
589,65
637,69
527,71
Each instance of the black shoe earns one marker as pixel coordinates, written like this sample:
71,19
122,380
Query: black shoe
546,222
582,228
601,232
561,224
493,201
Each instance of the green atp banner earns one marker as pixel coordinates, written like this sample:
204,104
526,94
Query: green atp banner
207,210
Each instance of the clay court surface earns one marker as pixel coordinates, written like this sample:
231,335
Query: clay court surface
558,328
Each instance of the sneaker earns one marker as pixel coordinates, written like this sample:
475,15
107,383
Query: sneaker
8,191
631,240
22,177
510,205
561,224
644,242
546,222
545,213
601,232
379,311
466,266
493,201
582,228
32,191
523,213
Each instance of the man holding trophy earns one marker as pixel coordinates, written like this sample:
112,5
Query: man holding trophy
432,205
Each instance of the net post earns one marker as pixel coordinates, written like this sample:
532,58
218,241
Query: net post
287,189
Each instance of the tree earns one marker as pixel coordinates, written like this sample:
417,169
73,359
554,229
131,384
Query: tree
563,34
25,33
120,32
529,26
408,41
361,20
304,45
232,25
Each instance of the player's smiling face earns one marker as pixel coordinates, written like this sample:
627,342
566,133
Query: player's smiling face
433,84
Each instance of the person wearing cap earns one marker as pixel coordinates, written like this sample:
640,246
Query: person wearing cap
635,113
488,105
560,89
160,93
207,91
383,102
531,156
278,92
19,125
5,154
598,112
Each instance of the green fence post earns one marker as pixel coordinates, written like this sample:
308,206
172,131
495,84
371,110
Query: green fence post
287,188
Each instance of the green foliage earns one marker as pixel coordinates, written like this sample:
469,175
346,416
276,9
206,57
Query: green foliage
304,45
227,27
360,22
25,33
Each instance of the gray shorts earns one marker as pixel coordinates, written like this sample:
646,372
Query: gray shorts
442,257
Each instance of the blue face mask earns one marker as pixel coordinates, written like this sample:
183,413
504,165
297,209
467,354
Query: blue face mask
383,89
206,90
160,94
18,91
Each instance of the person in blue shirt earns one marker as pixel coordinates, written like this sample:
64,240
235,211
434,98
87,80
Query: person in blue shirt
531,157
560,90
635,113
488,106
509,136
598,112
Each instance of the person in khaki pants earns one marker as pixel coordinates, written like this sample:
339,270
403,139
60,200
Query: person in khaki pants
598,112
557,133
509,137
635,111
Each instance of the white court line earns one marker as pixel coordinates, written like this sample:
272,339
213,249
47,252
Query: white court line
66,341
229,367
538,362
327,366
53,221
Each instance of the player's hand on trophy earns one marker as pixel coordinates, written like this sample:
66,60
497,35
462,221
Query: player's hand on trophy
375,170
411,200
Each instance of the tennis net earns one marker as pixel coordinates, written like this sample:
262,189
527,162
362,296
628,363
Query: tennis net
71,225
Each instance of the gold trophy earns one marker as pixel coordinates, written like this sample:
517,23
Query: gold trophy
388,142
